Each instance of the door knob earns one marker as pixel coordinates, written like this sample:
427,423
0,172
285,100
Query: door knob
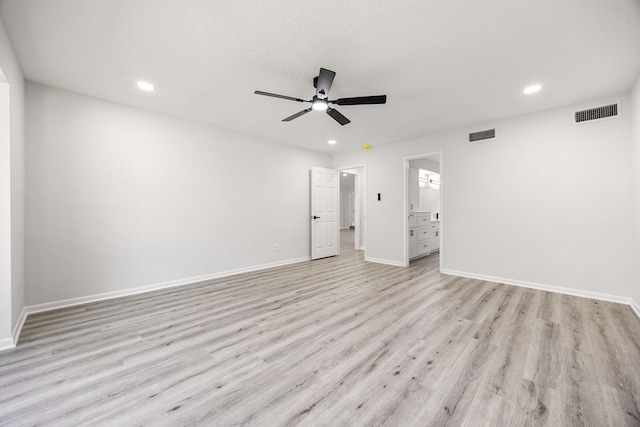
316,217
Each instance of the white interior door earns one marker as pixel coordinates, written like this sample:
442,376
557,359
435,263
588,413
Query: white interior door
325,193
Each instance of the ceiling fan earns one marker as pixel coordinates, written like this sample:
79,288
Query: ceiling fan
321,101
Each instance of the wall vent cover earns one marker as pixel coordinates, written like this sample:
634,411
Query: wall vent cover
596,113
482,135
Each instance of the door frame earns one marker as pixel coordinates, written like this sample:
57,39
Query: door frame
405,202
8,338
360,203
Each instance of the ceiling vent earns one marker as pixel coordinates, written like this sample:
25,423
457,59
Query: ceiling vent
482,135
596,113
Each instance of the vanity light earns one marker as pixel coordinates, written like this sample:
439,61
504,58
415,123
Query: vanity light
146,86
332,142
532,89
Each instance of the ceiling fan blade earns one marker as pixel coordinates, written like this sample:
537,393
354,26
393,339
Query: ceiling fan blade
325,80
275,95
361,100
296,115
337,116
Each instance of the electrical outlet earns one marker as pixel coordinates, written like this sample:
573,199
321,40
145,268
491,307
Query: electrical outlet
277,246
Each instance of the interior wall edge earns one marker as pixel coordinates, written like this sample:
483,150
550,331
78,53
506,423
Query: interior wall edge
17,329
551,288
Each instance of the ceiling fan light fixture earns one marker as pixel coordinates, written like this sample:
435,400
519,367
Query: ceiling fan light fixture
319,105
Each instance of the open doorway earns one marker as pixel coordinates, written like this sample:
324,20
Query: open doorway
352,208
423,206
347,201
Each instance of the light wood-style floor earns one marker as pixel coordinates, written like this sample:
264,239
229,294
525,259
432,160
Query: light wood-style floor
331,342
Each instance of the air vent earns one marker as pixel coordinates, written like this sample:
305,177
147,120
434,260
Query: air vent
596,113
482,135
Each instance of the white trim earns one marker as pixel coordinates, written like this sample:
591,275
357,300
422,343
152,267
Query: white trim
635,306
12,341
543,287
6,344
19,324
133,291
385,261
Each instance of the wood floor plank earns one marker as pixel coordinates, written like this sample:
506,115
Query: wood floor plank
336,341
543,360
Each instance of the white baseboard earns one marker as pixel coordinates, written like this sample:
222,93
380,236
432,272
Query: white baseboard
384,261
550,288
635,306
154,287
19,324
12,341
6,344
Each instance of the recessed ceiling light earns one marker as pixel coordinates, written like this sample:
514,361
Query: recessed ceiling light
332,142
532,89
344,174
146,86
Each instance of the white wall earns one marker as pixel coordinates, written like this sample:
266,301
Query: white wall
635,198
11,190
120,198
546,203
428,164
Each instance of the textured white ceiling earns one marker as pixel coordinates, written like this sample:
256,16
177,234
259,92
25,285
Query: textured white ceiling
443,64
